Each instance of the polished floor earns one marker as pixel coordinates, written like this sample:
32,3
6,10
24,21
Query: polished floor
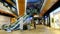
41,29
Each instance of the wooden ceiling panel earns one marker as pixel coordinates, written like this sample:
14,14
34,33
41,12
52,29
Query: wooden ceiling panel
47,6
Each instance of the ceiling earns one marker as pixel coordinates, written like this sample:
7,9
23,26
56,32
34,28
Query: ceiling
47,6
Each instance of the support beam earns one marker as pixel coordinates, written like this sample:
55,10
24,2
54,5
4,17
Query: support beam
21,5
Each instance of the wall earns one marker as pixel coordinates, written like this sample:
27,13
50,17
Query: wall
4,20
55,18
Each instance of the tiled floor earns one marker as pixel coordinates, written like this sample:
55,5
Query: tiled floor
41,29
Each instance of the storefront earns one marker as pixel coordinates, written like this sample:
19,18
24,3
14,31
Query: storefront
47,22
55,18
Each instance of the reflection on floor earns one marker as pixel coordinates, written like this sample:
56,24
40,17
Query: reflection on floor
41,29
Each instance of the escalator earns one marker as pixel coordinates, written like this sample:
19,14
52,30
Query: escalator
16,25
